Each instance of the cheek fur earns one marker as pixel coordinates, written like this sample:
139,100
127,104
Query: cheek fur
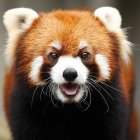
104,69
36,65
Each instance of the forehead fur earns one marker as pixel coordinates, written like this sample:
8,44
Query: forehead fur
69,28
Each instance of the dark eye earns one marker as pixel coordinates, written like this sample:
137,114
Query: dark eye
85,55
53,56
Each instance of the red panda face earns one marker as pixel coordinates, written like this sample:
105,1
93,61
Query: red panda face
67,51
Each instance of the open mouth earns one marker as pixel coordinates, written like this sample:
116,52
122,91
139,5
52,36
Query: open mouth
70,89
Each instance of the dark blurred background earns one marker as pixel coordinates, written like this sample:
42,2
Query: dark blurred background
129,9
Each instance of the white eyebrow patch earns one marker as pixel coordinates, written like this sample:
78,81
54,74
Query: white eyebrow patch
35,69
102,62
56,44
83,44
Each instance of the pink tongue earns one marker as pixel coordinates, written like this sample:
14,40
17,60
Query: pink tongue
69,89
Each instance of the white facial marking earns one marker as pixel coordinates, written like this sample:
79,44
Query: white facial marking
103,66
83,44
56,45
63,63
35,69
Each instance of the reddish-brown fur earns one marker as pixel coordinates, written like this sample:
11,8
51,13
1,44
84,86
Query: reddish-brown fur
69,30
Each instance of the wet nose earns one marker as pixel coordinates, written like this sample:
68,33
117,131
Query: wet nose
70,74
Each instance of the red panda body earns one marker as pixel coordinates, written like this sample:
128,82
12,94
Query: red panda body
69,76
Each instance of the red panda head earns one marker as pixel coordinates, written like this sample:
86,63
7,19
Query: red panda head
67,49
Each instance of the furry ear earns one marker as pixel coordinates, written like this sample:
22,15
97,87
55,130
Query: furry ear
16,21
110,17
112,20
19,19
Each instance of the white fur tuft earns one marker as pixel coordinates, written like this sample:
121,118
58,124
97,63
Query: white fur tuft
35,70
19,19
112,19
16,21
56,45
103,65
83,44
126,46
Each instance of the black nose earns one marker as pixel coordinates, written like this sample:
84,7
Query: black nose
70,74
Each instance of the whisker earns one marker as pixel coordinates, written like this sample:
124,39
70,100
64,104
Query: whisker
84,99
33,96
88,92
42,91
48,88
106,84
47,80
107,92
101,96
43,86
104,100
111,87
96,83
52,88
85,95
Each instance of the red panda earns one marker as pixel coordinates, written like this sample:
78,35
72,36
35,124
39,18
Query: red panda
69,74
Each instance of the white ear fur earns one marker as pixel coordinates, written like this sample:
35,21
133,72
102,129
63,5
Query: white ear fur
112,19
16,21
19,19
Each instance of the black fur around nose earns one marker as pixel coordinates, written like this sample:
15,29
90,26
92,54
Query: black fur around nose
70,74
